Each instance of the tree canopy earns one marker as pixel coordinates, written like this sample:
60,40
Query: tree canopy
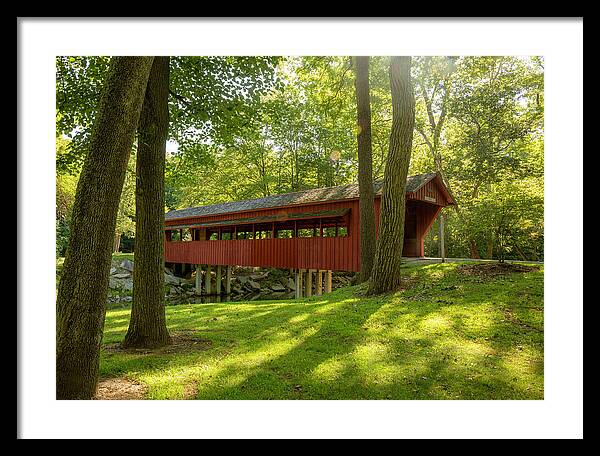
247,127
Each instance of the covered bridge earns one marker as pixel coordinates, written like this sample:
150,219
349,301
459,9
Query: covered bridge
315,229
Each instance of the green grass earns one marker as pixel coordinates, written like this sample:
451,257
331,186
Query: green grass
448,336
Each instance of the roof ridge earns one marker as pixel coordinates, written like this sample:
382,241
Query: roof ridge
285,196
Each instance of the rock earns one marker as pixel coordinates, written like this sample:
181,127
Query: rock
254,285
113,270
243,279
291,284
123,275
128,285
171,279
126,264
259,276
277,287
114,284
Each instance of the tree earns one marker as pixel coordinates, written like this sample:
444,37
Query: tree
147,326
388,257
213,98
81,299
365,169
496,109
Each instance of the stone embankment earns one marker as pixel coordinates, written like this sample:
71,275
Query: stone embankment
247,284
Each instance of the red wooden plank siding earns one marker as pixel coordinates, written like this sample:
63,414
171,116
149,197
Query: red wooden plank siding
333,253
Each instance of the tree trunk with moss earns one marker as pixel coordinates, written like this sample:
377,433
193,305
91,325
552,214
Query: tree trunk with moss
82,292
365,169
147,327
386,268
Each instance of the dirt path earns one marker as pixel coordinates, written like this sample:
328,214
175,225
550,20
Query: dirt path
119,388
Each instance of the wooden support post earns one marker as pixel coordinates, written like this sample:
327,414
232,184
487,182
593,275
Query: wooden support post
441,236
328,281
207,283
319,283
198,279
228,280
219,280
309,281
299,281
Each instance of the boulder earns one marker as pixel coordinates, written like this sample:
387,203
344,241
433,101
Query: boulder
128,265
277,287
254,285
291,284
128,285
171,279
113,270
259,276
123,275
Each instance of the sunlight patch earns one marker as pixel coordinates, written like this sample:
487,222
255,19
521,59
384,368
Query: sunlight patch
370,353
299,318
329,370
436,323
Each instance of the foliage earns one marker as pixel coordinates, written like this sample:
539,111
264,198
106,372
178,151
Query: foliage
126,213
212,98
248,127
448,336
66,185
490,146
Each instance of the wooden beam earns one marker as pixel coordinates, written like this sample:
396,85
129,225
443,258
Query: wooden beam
441,238
328,281
319,283
198,279
228,280
207,282
219,280
299,273
309,283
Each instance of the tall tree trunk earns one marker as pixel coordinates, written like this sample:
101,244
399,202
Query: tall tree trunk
82,292
365,169
388,258
147,327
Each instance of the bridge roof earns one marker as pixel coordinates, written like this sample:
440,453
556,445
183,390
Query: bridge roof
311,196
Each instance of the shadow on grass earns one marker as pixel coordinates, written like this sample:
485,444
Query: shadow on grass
445,338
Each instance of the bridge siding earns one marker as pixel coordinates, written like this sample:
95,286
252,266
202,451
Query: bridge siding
327,253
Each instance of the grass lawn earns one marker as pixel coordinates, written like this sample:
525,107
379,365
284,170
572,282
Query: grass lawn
448,335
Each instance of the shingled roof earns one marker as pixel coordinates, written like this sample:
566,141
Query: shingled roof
314,195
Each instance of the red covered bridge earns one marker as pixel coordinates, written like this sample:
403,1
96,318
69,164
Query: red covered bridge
314,229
